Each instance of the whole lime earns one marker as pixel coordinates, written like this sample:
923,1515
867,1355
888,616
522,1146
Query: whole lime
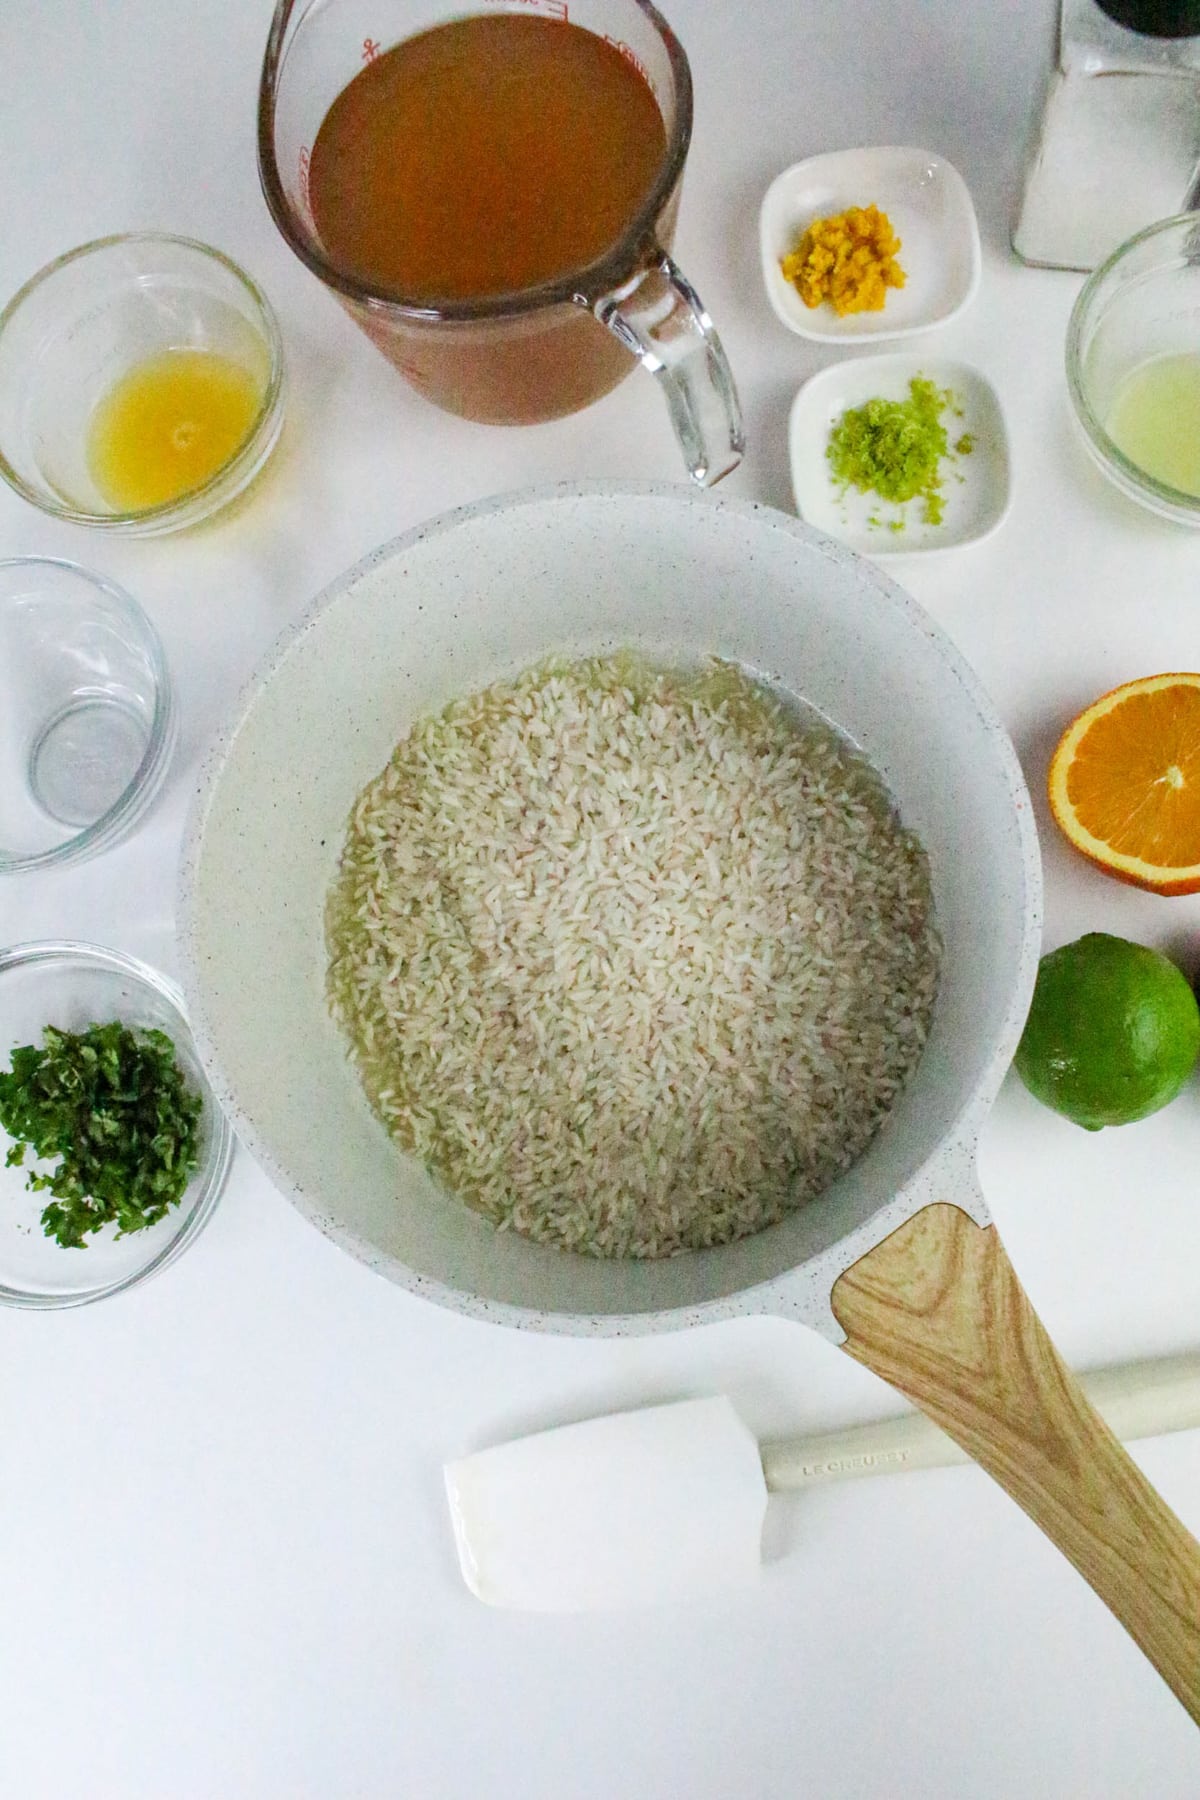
1113,1032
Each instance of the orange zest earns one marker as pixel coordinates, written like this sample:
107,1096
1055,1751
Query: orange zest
1124,783
848,259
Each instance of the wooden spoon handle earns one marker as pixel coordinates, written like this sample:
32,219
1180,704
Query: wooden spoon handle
937,1310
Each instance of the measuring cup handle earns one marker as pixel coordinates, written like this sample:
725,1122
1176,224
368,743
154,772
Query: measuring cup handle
660,319
937,1310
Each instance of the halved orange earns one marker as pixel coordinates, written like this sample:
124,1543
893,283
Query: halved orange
1125,783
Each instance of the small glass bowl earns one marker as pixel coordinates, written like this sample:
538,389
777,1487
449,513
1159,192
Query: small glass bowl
86,320
1142,305
87,718
74,986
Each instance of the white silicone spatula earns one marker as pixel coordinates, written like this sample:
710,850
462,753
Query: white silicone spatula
668,1502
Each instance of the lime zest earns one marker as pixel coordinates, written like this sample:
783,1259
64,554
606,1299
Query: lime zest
895,448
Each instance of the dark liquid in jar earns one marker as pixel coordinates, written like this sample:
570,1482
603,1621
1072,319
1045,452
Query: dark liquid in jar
484,157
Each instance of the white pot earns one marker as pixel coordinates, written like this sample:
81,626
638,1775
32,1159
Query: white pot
483,592
897,1260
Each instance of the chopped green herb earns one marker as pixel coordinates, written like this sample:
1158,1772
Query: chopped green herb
112,1104
894,448
965,444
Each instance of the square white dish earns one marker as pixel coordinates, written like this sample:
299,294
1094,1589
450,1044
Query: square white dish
976,487
932,214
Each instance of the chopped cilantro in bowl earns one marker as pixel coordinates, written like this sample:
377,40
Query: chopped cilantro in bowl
111,1104
113,1150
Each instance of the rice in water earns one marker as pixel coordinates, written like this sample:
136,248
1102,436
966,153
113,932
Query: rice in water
634,960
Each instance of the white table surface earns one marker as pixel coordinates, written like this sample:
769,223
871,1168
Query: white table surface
226,1571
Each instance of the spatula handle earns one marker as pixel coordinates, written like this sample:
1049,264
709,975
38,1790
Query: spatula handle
936,1309
1148,1398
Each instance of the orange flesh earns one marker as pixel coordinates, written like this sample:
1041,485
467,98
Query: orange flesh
1134,781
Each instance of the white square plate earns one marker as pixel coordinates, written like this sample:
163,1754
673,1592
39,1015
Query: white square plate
976,488
926,200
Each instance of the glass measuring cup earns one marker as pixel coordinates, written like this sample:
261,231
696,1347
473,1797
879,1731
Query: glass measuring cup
517,358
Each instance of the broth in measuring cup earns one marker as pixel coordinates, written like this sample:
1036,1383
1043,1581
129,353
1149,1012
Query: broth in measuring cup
484,157
493,197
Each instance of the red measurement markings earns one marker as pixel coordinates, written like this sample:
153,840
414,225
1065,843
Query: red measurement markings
370,50
631,56
554,9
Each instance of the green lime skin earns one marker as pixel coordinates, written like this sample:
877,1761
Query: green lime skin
1113,1032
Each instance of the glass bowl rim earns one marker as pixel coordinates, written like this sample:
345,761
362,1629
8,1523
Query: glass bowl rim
1135,480
110,825
212,1174
197,502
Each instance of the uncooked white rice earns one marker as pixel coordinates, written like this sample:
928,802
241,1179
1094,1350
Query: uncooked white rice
634,960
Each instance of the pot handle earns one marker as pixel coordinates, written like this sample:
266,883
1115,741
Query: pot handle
936,1309
660,318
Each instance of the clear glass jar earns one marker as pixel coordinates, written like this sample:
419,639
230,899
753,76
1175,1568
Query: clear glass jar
1118,144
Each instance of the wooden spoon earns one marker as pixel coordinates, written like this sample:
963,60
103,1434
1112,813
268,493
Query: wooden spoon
936,1309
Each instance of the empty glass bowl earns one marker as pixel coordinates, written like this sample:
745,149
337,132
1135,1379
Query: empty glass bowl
1133,367
87,721
93,318
73,986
